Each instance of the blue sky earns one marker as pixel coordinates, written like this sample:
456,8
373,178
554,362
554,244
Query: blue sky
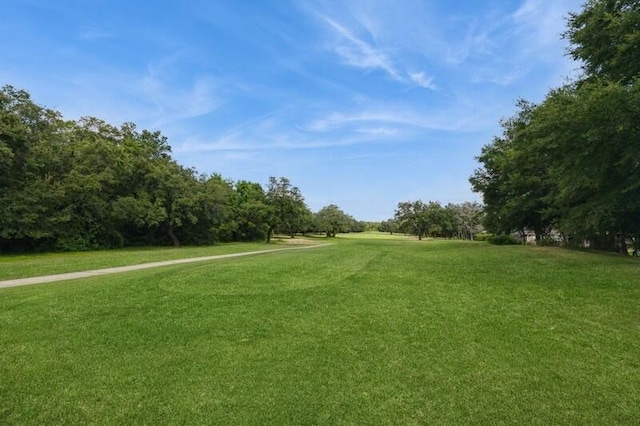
359,103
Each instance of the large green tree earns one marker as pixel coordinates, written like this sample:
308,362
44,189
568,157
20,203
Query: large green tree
571,163
593,136
419,218
34,158
332,220
289,213
514,178
250,213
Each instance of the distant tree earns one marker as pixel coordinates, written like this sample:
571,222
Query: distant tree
371,226
464,219
358,225
431,219
389,226
415,217
289,213
437,222
332,220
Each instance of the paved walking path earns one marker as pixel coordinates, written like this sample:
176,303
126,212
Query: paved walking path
116,270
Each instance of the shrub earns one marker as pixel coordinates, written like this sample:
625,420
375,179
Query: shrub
482,236
501,240
549,242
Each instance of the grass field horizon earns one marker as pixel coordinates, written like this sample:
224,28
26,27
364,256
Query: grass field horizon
364,331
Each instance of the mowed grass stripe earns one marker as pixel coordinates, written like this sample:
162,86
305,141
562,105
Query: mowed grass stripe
364,331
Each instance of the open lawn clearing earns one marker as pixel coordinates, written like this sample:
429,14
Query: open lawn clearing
376,235
362,331
34,265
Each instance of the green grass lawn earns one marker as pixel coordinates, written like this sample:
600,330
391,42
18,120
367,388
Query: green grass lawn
23,266
369,235
364,331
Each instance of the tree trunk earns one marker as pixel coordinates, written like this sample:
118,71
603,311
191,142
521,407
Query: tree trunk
174,239
523,237
538,233
269,232
622,245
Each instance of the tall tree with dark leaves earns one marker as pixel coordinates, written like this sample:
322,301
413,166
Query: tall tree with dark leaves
289,213
514,179
33,157
594,142
605,37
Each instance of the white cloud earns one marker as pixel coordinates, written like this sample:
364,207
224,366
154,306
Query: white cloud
477,41
540,23
359,53
421,79
380,131
443,120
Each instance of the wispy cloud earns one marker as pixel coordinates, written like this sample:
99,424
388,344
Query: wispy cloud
476,42
448,120
278,131
359,53
252,89
355,51
540,23
175,102
385,132
422,80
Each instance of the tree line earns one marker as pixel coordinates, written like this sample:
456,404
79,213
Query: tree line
86,184
570,165
462,221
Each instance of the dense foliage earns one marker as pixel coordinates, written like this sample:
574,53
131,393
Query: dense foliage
571,165
74,185
331,220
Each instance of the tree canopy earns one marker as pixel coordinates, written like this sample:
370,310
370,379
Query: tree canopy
85,184
331,220
289,213
432,219
605,36
571,164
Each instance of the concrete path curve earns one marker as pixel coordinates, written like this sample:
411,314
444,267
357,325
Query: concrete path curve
116,270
